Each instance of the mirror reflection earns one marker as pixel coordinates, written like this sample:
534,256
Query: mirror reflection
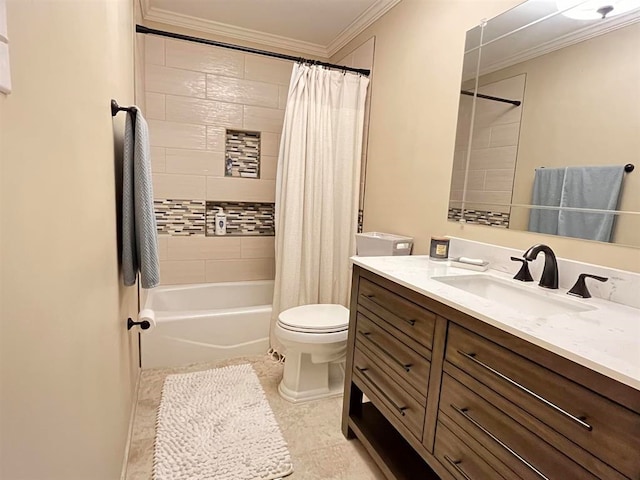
553,124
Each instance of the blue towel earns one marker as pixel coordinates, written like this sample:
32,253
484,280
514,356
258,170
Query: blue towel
547,191
590,187
139,232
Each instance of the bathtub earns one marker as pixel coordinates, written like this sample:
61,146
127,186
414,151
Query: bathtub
206,322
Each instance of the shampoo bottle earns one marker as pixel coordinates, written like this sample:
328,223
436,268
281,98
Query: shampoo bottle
221,222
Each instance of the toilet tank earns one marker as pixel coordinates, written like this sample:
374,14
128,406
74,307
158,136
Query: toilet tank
375,244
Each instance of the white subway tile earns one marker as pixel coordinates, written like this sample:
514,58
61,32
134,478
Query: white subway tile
247,92
195,162
266,69
216,138
158,159
493,158
504,135
263,119
268,165
177,135
153,50
499,180
283,93
179,187
154,106
239,270
194,110
202,58
199,247
258,247
240,189
270,144
174,81
163,242
173,272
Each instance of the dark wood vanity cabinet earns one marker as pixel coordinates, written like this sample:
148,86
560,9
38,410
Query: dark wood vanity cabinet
452,397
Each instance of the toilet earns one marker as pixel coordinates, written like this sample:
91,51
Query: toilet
315,337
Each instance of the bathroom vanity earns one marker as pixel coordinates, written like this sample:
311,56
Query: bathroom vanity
462,387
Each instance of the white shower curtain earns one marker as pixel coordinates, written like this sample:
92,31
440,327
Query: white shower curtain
317,188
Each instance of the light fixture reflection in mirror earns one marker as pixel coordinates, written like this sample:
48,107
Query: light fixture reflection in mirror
594,9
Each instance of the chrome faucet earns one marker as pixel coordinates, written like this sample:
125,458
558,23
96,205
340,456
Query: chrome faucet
549,278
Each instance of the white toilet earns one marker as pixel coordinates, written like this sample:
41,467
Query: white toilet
315,337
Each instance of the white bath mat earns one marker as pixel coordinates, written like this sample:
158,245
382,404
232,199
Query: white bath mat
217,424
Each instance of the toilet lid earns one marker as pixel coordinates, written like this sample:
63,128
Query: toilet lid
316,318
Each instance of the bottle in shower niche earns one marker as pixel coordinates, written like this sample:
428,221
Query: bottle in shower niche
221,222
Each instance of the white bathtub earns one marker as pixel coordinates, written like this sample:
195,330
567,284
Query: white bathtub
207,322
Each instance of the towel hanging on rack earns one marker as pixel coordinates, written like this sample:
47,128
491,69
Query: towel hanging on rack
139,232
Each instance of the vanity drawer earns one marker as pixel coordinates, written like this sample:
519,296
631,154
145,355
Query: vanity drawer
606,429
398,357
461,461
387,394
399,312
526,454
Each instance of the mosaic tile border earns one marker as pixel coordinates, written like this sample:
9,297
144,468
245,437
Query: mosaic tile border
242,154
243,218
480,217
360,220
180,217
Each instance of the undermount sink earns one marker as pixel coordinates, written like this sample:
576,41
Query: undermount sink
508,294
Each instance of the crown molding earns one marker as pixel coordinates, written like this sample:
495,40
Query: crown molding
230,31
368,17
373,13
563,41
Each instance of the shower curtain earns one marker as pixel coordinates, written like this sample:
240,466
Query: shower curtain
317,188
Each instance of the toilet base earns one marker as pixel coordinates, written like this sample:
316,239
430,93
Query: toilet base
303,380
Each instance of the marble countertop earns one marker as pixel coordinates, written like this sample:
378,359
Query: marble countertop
605,339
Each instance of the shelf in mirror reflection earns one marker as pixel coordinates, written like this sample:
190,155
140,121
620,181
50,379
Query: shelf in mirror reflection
625,225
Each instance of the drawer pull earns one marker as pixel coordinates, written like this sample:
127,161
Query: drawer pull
463,412
367,335
371,297
579,420
456,464
400,410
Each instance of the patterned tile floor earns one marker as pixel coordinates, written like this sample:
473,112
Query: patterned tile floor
312,430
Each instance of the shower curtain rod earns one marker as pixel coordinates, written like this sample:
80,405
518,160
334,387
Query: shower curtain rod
517,103
188,38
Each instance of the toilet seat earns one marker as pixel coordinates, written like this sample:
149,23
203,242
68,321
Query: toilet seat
315,318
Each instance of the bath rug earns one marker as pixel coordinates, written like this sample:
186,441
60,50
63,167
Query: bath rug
217,424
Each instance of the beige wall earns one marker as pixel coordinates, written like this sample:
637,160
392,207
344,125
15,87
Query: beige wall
68,365
193,93
418,62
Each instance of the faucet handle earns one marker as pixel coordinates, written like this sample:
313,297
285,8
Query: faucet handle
580,288
524,275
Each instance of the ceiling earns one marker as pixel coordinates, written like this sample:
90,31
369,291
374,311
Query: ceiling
315,27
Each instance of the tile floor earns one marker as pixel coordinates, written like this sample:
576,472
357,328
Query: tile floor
312,430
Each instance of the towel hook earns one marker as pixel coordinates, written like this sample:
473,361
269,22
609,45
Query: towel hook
115,108
629,167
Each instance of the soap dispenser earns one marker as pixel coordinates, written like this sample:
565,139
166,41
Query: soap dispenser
221,222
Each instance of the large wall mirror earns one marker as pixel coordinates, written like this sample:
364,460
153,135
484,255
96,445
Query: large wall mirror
548,136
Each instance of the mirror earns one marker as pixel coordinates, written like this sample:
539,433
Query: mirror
548,119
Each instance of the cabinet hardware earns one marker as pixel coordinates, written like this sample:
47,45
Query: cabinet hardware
579,420
463,412
371,297
456,464
381,392
367,335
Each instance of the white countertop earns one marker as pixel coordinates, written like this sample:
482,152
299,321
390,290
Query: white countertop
605,339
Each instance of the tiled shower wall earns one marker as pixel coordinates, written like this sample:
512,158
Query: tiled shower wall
193,94
493,154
